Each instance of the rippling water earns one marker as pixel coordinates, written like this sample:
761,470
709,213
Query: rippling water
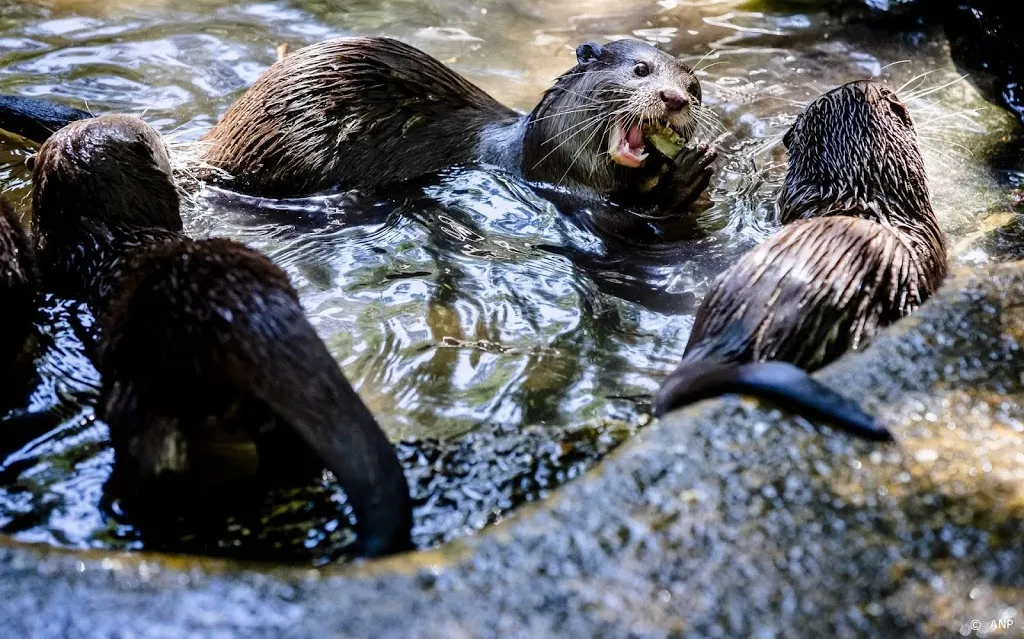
465,308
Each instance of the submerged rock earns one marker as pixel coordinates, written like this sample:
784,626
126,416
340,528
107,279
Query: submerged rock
726,519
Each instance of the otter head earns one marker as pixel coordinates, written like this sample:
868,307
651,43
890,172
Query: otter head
110,170
854,151
603,120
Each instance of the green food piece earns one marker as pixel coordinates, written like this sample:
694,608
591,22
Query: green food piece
665,140
648,185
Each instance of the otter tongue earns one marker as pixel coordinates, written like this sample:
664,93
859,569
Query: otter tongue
626,147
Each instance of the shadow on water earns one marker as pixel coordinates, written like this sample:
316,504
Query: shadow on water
504,347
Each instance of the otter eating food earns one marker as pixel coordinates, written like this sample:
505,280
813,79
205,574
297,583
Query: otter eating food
359,113
213,379
860,248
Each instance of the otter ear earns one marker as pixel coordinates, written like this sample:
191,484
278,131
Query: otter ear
30,162
588,52
901,111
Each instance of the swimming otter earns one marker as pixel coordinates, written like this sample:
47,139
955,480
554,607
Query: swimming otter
212,376
359,113
17,299
860,248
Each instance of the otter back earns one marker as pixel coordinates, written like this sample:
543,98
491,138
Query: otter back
211,332
813,291
349,113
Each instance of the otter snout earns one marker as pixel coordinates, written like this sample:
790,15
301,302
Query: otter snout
674,100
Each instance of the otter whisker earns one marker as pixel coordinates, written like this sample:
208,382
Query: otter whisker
566,140
932,154
891,64
948,142
696,67
708,129
713,64
708,118
917,78
929,123
557,114
918,96
575,156
579,125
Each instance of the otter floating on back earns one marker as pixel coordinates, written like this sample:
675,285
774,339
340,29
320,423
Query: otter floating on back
213,379
360,113
860,248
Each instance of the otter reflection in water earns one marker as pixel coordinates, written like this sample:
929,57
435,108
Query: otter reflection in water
860,248
359,113
214,382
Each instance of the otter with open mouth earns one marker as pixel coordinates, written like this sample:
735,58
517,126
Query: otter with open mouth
361,113
860,248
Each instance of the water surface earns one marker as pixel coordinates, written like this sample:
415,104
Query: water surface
465,309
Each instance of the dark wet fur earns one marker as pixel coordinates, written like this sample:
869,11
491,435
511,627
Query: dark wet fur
213,379
349,113
566,137
566,144
36,119
860,248
362,113
102,187
18,284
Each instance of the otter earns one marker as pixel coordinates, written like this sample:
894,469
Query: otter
212,377
18,283
361,113
860,248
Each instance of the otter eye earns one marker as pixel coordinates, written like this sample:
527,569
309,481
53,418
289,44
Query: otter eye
641,69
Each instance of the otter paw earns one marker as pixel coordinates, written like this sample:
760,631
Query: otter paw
689,178
692,174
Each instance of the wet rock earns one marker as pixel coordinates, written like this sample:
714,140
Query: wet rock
985,41
727,519
983,37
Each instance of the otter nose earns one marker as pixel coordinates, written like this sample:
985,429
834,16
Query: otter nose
674,100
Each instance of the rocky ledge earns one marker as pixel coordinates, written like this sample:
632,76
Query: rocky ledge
728,519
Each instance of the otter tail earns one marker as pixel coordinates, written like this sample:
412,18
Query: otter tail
784,383
36,119
237,324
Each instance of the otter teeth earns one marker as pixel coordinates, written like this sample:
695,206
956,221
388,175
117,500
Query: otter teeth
627,147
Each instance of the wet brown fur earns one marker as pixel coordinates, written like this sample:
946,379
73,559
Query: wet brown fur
567,132
357,113
212,375
102,187
349,113
860,248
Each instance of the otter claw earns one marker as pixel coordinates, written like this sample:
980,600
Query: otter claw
692,173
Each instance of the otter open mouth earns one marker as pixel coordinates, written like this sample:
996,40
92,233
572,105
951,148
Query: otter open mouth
627,147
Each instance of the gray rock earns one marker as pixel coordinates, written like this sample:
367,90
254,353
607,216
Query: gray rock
728,519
